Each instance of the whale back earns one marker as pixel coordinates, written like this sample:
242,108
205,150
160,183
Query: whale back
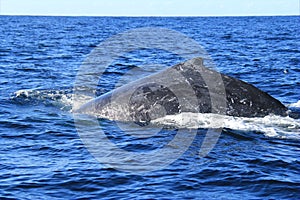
185,87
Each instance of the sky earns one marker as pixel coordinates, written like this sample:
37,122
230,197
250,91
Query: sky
150,7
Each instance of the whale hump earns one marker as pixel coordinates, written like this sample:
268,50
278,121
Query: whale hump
185,87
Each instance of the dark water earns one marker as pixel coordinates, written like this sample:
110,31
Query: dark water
43,157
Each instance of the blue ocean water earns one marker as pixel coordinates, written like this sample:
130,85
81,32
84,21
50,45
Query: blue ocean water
42,155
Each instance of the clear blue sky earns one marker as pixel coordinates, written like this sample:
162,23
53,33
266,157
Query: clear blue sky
150,7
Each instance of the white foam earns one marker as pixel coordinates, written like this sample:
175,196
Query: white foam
295,105
60,98
22,93
271,125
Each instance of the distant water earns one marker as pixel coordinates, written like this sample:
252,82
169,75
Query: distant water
43,157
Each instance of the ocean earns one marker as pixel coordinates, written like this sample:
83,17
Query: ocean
44,155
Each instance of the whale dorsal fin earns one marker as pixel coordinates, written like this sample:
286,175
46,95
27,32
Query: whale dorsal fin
197,61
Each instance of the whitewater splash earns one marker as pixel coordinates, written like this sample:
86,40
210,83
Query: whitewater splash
59,98
295,105
270,126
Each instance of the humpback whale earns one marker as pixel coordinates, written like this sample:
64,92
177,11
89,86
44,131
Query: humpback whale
184,87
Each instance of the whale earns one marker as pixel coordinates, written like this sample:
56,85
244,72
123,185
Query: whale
188,86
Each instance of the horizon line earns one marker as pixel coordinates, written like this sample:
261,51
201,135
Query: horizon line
54,15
